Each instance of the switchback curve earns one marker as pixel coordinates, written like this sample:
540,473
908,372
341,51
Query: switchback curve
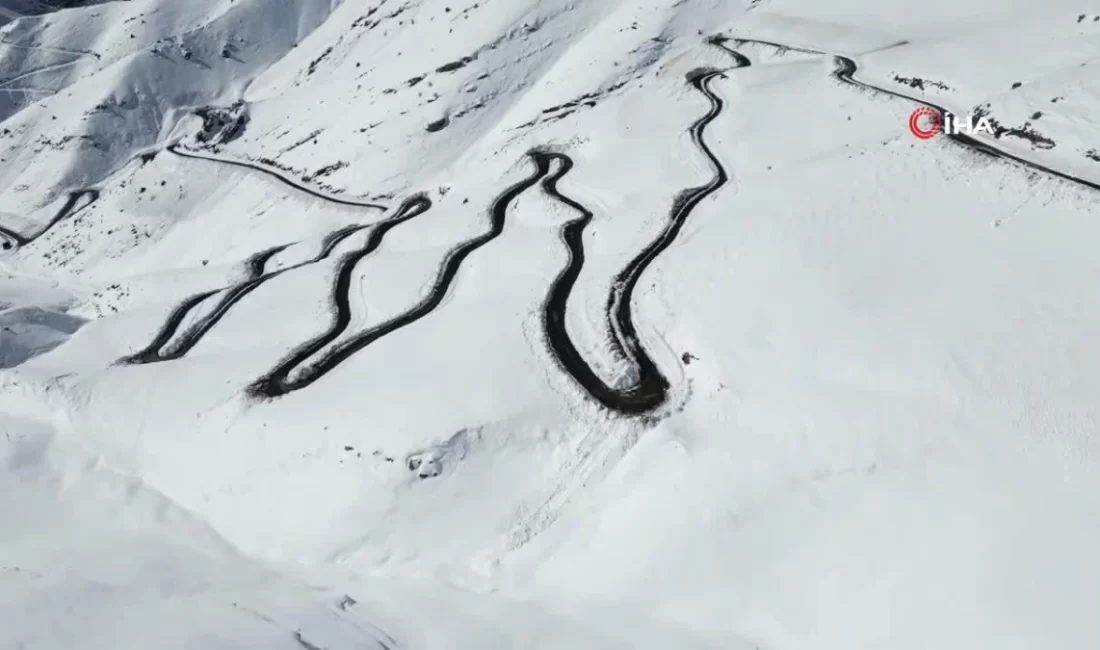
13,240
649,389
155,351
278,381
720,41
160,350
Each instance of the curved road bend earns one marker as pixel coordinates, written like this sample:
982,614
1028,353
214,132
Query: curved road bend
845,73
155,350
160,350
650,390
277,175
68,209
720,41
277,381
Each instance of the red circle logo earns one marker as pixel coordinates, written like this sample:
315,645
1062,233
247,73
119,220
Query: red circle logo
926,115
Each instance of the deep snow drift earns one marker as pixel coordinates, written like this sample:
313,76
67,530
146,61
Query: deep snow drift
548,324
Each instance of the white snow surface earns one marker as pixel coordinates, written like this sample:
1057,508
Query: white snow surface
882,351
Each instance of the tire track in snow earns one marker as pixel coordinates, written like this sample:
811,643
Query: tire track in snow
167,347
277,175
46,48
278,381
28,89
13,240
649,388
29,73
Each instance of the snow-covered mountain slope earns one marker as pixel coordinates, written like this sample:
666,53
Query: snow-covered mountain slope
548,324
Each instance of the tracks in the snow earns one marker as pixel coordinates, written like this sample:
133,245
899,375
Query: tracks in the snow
76,201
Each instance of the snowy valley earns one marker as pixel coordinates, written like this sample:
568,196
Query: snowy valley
572,324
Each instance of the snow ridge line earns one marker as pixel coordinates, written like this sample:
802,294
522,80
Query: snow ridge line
13,240
276,174
163,348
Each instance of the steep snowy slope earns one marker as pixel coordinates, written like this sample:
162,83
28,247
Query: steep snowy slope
548,324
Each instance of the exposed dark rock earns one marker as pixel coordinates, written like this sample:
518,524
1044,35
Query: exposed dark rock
222,125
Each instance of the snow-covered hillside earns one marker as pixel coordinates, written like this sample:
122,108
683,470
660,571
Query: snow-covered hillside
472,324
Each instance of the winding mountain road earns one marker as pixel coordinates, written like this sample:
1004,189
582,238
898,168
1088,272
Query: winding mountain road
167,347
277,174
846,69
649,391
649,388
13,240
845,72
317,357
5,83
720,41
645,388
781,47
159,350
278,381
